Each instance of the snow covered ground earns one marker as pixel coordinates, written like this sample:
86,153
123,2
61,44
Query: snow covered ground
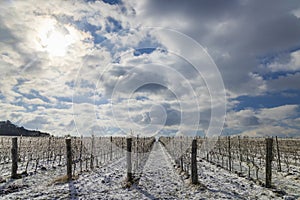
159,180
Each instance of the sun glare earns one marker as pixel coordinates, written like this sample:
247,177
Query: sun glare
54,39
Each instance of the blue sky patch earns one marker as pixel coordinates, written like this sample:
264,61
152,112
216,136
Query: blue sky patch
113,2
138,52
268,100
113,25
283,56
141,98
64,99
1,95
94,30
276,75
101,101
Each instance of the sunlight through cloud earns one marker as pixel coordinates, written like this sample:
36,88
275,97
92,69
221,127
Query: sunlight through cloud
55,39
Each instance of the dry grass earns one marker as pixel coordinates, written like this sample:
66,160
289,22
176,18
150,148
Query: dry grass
129,184
63,179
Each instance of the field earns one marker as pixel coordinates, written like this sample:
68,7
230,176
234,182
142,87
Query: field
146,168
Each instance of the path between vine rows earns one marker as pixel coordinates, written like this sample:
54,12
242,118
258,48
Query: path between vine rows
159,180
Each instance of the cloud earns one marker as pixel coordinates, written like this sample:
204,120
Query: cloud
235,33
288,82
101,77
242,118
290,62
265,121
279,113
272,131
27,65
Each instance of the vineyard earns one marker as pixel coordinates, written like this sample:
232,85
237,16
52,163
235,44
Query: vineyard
266,162
23,156
262,160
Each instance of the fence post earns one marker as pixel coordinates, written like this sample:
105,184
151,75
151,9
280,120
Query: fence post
278,155
129,166
269,147
194,162
181,154
69,158
111,151
49,150
240,153
206,146
92,153
229,153
137,152
144,145
173,147
123,146
80,153
19,147
14,158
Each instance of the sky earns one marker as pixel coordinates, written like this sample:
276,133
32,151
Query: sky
151,67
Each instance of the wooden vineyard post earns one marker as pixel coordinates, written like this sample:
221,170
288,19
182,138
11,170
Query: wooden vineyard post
19,147
80,154
206,145
111,151
181,154
173,147
69,158
278,155
129,166
14,158
92,153
219,146
49,150
269,147
240,153
137,151
144,146
74,164
123,146
194,162
229,153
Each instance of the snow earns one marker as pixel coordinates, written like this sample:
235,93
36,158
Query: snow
158,180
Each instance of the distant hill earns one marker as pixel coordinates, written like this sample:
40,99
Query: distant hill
9,129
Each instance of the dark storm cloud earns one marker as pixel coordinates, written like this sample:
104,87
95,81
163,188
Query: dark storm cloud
249,121
151,87
194,7
259,23
236,33
5,34
8,40
173,116
37,123
288,82
126,80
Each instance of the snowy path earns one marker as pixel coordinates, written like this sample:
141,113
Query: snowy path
159,181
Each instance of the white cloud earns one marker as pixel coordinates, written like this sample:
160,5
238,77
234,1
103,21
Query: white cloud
285,82
265,121
279,113
236,33
293,63
268,130
230,32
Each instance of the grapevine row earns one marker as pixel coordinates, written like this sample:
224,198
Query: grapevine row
254,158
86,153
